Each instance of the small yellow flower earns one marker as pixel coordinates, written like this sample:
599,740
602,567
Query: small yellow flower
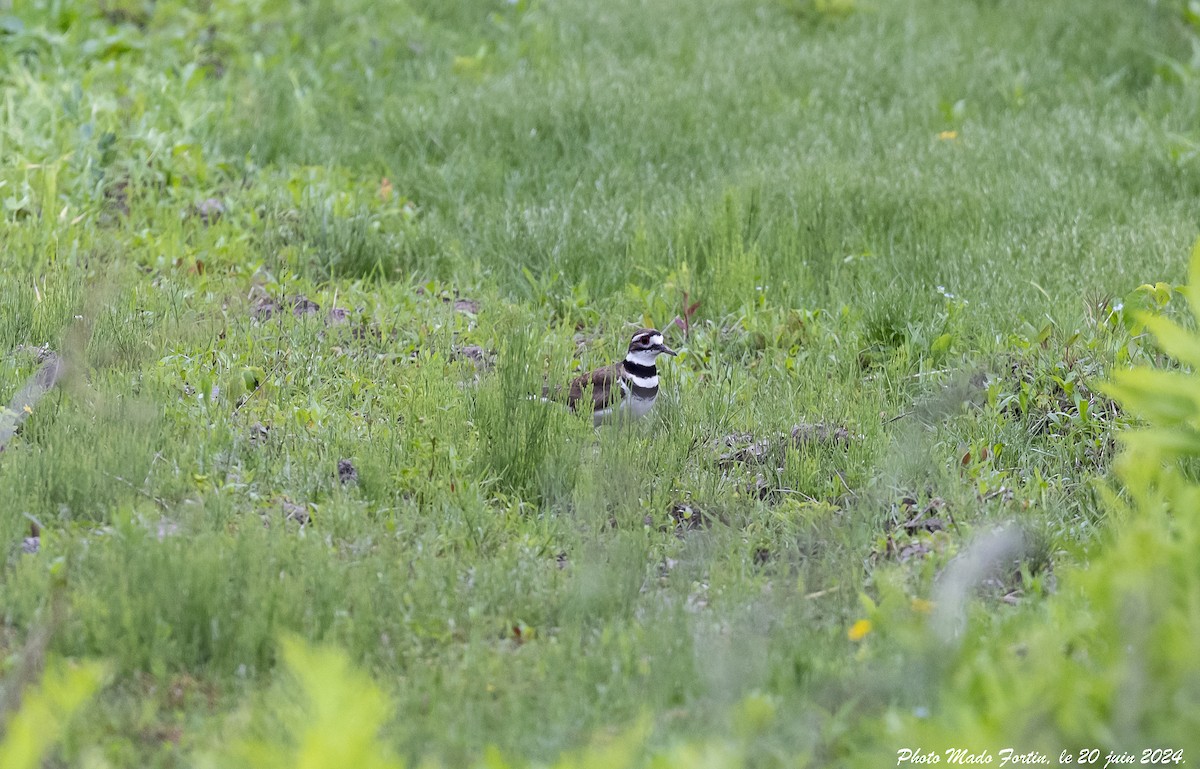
948,136
859,630
922,606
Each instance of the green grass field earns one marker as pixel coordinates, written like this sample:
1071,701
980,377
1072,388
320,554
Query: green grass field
304,262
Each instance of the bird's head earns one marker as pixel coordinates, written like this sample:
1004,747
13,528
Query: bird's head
646,345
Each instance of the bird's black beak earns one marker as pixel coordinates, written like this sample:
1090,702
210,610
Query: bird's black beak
663,348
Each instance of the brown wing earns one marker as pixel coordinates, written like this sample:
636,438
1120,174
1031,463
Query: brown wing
604,384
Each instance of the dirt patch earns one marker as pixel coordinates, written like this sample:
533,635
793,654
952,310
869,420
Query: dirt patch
915,530
747,448
484,360
819,432
367,332
457,301
116,201
183,689
906,551
263,306
766,455
931,517
302,305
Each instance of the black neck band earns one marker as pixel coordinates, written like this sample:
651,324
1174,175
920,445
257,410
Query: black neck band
638,370
643,393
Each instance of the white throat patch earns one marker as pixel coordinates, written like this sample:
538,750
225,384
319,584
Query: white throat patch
641,357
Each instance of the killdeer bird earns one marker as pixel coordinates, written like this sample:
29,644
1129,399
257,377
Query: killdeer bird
625,389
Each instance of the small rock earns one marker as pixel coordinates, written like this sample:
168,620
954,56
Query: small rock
263,308
259,433
302,305
295,512
210,210
31,545
346,471
760,487
52,370
482,358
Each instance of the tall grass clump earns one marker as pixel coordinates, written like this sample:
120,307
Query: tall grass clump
521,434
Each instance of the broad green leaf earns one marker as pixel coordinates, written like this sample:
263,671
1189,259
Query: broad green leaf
334,723
1163,397
1192,290
1166,442
45,711
1176,341
345,713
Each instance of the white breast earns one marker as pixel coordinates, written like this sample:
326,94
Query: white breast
638,407
628,408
